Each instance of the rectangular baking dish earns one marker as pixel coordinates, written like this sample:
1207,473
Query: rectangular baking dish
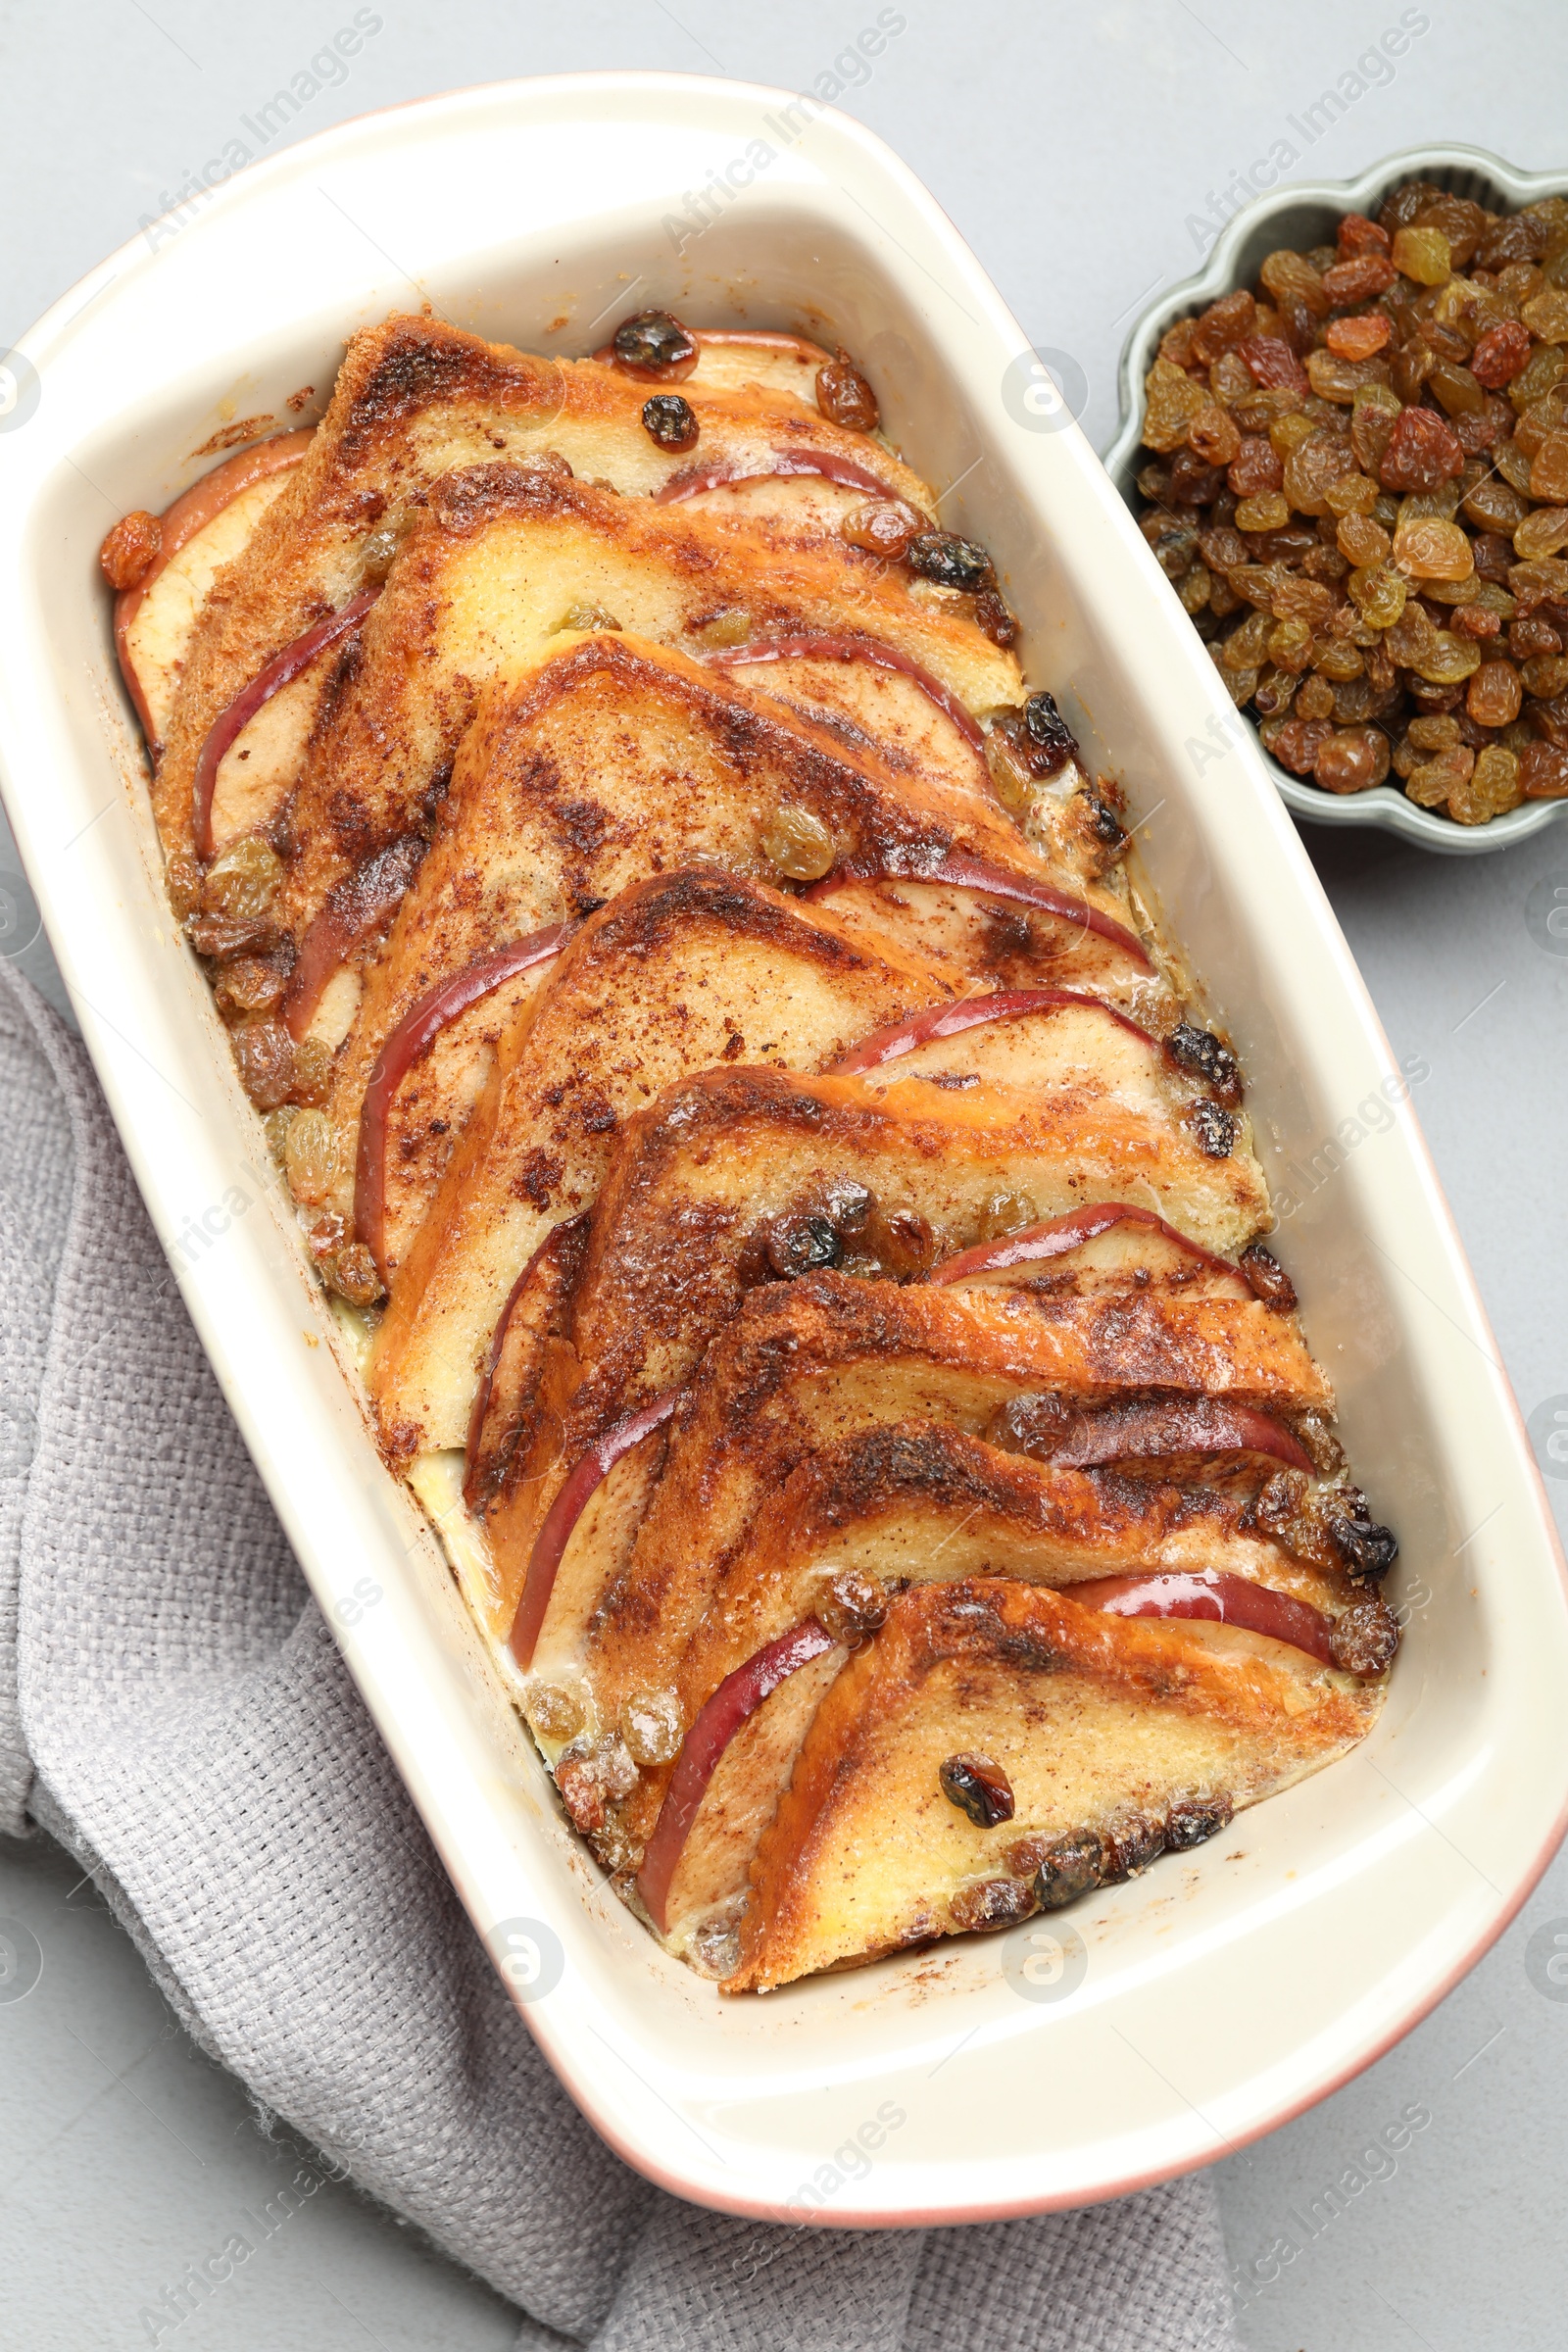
1226,1989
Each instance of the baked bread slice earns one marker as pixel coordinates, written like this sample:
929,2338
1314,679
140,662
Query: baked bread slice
605,760
1114,1738
415,398
742,1176
500,560
674,974
805,1366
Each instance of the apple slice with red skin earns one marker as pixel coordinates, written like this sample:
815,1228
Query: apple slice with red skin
534,1306
810,355
1201,1594
354,910
936,1021
979,874
280,671
733,1703
555,1533
409,1043
1210,1594
1200,1426
733,473
829,645
190,512
1059,1235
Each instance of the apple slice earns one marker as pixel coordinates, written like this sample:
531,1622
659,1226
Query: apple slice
1196,1430
933,1022
733,359
982,875
408,1044
728,473
1106,1728
1056,1236
279,673
832,645
513,1364
354,910
555,1531
1223,1600
206,527
733,1703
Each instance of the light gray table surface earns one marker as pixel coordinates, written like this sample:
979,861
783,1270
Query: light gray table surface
1079,150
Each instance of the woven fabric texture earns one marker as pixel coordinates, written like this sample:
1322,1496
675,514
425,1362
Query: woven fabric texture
172,1707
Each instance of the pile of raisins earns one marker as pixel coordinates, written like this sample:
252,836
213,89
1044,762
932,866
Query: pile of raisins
1357,484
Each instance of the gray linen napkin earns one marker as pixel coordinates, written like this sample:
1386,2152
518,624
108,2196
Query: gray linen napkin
174,1709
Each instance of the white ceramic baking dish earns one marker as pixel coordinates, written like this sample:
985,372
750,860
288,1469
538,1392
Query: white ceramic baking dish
1304,213
1223,1991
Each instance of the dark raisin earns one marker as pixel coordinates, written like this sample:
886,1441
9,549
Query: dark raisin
653,342
1032,1425
1199,1816
1049,736
265,1053
978,1787
1214,1129
1365,1636
900,1242
992,1903
852,1205
225,935
1107,824
1200,1051
1130,1847
1266,1278
844,397
994,619
850,1605
1067,1870
950,562
671,420
796,1245
1368,1549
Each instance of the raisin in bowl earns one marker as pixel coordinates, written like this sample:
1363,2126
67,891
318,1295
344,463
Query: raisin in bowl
1430,722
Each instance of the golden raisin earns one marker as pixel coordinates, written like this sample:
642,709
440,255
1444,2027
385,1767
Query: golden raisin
799,845
1351,759
1423,254
310,1157
1003,1214
555,1709
881,527
650,1726
132,549
1379,595
1357,338
843,396
1428,548
1495,694
1214,436
1541,533
242,880
1361,541
1493,787
352,1273
313,1070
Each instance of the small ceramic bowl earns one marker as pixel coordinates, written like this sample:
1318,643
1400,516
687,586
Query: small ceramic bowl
1302,216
